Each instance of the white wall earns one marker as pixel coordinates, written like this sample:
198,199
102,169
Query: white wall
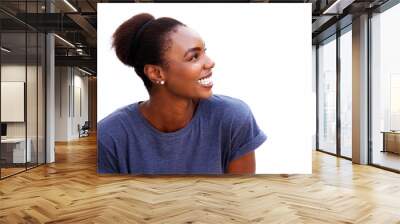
70,83
34,124
80,102
61,103
15,72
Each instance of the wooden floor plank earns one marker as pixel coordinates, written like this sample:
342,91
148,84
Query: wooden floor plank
70,191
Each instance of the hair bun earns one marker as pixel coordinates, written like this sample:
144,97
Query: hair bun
123,37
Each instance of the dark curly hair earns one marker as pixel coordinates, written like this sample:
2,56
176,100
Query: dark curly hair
151,45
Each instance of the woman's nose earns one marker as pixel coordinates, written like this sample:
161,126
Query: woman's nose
209,63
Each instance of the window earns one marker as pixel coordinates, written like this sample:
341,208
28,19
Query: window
327,96
346,93
385,88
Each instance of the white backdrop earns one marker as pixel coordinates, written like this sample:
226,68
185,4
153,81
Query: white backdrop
262,54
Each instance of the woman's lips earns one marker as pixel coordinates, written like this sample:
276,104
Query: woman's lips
206,76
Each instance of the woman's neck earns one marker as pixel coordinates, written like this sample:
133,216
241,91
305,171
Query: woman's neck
168,113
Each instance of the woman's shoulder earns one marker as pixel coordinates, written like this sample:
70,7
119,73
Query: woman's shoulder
229,105
228,110
115,121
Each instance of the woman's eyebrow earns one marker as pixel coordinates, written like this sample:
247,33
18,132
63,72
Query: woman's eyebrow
192,50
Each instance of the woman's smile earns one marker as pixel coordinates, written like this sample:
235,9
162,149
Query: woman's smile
206,81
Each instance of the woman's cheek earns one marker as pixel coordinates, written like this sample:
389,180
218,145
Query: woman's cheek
190,72
197,68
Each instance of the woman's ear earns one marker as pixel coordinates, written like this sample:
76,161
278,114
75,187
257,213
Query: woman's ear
154,73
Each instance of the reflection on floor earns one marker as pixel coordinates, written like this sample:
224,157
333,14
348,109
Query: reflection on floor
386,159
347,152
10,169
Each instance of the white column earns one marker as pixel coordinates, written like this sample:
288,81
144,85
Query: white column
360,90
50,93
314,90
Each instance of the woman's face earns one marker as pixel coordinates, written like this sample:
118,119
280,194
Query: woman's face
188,73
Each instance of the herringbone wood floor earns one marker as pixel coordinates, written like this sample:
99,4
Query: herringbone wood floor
70,191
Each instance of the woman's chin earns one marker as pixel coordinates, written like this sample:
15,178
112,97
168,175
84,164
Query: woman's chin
206,95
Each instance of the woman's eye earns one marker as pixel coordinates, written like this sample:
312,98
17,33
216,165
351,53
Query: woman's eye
197,55
194,57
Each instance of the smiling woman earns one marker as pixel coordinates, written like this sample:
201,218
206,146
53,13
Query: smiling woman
182,128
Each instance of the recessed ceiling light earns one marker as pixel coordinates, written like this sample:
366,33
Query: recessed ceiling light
5,50
70,5
64,40
84,71
337,7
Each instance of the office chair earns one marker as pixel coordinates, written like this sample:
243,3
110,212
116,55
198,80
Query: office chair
84,130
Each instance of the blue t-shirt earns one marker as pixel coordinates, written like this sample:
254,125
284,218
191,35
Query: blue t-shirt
222,129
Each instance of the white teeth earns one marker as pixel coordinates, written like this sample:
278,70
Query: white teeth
205,81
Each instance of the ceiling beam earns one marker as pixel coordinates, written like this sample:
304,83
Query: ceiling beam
86,26
83,61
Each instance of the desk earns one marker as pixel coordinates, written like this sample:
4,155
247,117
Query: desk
391,141
16,147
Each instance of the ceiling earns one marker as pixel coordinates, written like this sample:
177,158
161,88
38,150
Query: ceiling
76,22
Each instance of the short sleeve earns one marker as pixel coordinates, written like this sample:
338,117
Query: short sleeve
106,159
246,135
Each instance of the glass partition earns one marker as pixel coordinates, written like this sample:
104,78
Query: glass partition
327,96
22,67
32,84
41,110
31,100
13,91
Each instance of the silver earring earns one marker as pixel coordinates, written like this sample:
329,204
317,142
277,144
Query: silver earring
162,82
